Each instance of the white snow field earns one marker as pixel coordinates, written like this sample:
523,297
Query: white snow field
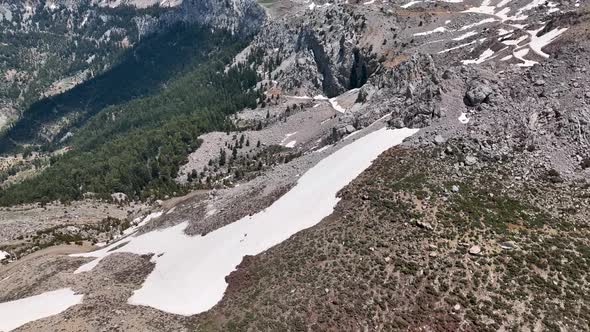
19,312
189,276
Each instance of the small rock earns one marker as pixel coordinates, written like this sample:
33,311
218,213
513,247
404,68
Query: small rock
350,129
508,245
475,250
448,74
470,160
477,93
397,123
455,188
457,307
423,224
438,139
539,82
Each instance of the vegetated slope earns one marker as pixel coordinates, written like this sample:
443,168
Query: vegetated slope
138,146
416,244
143,70
48,47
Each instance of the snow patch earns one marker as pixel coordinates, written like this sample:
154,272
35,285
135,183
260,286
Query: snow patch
537,43
487,54
4,255
190,277
291,144
457,47
336,106
145,220
463,118
466,35
323,148
520,56
437,30
19,312
410,4
473,25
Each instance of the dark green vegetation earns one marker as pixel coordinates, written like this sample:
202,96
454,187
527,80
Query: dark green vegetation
142,71
52,44
395,256
137,146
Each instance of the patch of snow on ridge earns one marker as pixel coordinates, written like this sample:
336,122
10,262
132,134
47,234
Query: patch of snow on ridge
520,56
410,4
19,312
437,30
457,47
336,106
3,255
463,118
466,35
487,54
189,277
145,220
537,43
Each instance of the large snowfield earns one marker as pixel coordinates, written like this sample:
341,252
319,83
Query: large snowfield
19,312
189,276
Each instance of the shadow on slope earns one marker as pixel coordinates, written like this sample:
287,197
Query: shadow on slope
142,71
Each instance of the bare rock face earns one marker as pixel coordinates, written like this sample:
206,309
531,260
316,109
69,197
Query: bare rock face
317,52
241,17
478,92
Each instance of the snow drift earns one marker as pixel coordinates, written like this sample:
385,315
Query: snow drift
189,276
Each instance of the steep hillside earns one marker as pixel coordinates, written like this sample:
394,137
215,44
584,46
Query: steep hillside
50,47
354,166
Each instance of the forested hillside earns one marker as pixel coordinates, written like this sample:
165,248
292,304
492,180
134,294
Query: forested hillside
141,71
136,145
49,47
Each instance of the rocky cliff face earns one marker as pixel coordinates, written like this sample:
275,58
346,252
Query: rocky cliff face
317,52
443,66
242,17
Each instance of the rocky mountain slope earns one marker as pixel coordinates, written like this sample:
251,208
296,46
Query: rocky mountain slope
477,222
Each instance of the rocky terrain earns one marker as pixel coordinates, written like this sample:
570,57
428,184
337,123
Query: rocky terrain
478,222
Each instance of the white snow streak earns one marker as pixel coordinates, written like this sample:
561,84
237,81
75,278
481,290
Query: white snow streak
463,118
336,106
437,30
520,56
537,43
189,275
19,312
457,47
466,35
409,4
487,54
